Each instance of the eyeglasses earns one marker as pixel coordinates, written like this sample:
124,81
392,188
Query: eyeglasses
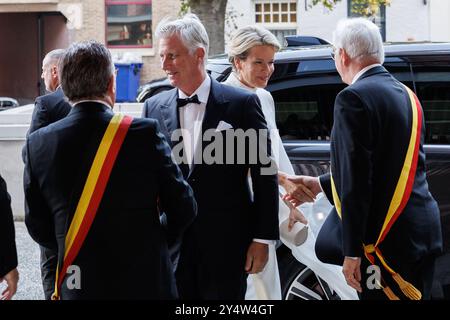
333,54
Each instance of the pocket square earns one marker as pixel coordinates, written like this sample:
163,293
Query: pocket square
223,126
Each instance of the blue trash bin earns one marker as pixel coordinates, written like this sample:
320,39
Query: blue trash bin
127,81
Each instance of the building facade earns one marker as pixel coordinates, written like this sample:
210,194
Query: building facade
402,21
31,28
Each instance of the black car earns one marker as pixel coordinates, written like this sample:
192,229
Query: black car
304,86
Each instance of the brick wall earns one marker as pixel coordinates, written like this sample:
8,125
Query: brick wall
93,25
93,20
161,8
94,28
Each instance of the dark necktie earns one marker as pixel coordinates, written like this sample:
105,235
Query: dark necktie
182,102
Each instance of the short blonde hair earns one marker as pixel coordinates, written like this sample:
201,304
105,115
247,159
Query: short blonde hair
248,37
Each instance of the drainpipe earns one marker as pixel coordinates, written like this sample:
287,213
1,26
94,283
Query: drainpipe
40,48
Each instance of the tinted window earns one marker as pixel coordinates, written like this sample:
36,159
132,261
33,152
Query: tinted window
400,69
316,66
305,93
284,69
306,112
433,90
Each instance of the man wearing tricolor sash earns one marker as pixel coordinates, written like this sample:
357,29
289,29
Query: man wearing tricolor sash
94,183
385,225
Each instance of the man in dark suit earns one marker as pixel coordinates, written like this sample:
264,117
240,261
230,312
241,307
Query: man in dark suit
8,252
49,108
384,214
53,106
124,253
230,235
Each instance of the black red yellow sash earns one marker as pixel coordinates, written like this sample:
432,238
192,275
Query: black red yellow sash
92,193
399,200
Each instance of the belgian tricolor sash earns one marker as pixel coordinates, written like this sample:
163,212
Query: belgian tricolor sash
92,193
399,200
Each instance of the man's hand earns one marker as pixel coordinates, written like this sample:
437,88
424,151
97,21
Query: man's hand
11,279
257,256
300,189
352,272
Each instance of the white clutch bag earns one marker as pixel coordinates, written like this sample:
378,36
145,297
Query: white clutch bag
297,236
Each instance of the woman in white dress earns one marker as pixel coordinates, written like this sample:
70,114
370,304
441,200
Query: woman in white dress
251,51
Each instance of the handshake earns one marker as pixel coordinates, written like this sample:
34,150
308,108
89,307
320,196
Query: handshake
299,189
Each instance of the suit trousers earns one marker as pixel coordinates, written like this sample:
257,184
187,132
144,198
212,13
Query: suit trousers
49,260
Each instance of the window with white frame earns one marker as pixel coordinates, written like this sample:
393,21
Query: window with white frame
280,17
275,11
129,23
379,18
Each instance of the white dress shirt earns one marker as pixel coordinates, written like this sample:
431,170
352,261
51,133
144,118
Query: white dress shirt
191,118
98,101
364,70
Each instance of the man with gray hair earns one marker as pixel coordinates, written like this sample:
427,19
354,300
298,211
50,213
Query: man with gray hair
49,108
230,236
53,106
94,182
385,226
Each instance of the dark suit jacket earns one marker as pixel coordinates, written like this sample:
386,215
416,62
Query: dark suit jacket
125,252
8,253
228,218
369,140
48,109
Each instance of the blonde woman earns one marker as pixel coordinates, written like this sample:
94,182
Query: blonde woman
251,52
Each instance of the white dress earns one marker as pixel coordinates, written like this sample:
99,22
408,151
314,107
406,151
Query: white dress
266,284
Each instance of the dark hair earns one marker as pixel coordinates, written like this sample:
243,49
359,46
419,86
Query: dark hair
85,70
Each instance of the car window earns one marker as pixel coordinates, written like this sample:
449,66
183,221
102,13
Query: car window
304,104
305,112
219,71
432,80
284,69
304,93
316,66
304,98
401,70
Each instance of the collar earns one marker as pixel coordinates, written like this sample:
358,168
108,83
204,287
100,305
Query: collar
97,101
364,70
202,91
234,81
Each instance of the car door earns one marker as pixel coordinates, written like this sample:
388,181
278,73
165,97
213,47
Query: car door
432,84
304,100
